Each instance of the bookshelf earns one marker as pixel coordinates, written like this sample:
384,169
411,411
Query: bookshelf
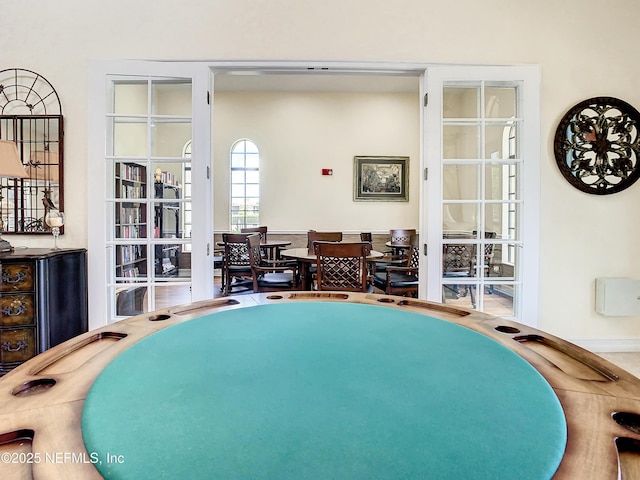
167,224
130,220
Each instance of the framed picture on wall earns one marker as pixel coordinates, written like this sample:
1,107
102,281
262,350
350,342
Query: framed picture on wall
381,179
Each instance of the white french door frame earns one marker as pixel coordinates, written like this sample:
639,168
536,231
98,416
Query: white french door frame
430,215
100,73
528,80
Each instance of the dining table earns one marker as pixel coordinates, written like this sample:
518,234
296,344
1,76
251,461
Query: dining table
307,257
270,247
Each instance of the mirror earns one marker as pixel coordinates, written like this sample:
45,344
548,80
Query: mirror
31,116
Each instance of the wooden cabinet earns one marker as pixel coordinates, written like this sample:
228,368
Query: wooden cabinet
43,301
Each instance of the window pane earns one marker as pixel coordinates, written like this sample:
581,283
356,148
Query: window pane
237,161
130,220
237,190
502,218
253,190
461,102
501,181
503,263
237,203
460,217
168,138
501,141
237,176
250,147
168,181
129,137
459,295
253,176
130,98
500,102
498,300
166,261
170,295
131,180
461,141
130,262
460,182
129,299
253,160
171,97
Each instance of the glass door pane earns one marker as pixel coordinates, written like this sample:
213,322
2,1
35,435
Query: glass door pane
480,196
149,124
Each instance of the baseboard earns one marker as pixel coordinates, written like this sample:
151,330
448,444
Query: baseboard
608,344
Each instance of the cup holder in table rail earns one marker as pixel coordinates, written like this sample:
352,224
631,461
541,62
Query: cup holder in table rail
202,306
628,420
17,436
158,318
73,355
628,456
314,295
507,329
33,387
274,297
569,358
385,300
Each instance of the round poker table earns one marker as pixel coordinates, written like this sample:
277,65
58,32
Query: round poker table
305,385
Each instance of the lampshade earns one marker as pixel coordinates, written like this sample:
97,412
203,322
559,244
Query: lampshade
10,164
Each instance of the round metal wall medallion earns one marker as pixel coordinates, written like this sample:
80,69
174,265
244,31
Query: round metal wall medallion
597,145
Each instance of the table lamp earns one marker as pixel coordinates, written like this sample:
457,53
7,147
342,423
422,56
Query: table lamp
10,167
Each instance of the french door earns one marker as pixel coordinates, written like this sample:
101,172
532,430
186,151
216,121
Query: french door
152,227
478,203
481,191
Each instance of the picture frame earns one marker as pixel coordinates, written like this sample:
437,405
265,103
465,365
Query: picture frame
381,179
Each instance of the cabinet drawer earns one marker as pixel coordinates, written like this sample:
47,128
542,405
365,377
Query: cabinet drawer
16,277
17,345
16,309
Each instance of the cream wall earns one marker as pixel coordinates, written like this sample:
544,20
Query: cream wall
299,134
585,48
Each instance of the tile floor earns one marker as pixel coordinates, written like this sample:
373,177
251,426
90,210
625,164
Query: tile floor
629,361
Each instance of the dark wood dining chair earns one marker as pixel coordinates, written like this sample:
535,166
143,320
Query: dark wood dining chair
458,261
401,279
236,269
272,275
401,236
342,266
260,230
397,256
313,236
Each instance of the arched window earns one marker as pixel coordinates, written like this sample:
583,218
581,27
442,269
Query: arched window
245,185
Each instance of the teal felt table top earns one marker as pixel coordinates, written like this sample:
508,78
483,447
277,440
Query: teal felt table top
322,390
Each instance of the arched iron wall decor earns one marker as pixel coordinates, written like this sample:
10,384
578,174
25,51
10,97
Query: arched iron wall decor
597,145
31,116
